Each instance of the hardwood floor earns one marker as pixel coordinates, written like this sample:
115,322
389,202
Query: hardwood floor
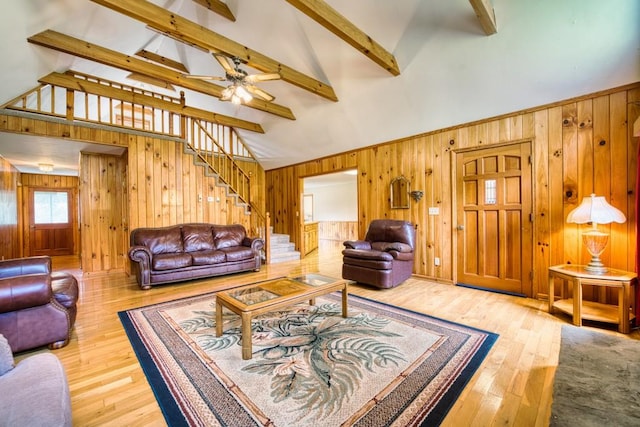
512,387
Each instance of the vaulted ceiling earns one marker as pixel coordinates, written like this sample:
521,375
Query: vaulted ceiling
354,73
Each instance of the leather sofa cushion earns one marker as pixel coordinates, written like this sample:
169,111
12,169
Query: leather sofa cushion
197,237
26,291
372,264
165,240
171,261
226,236
238,253
208,257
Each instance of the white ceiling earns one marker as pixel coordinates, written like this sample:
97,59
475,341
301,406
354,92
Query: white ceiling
451,72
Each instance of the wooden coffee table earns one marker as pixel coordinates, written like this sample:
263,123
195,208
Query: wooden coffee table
257,298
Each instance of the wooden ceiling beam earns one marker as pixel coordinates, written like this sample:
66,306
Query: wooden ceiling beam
67,44
70,82
219,7
333,21
191,33
486,15
159,59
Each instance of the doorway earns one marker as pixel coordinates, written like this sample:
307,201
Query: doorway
494,233
329,204
50,221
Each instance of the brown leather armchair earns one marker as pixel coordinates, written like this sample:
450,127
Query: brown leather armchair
37,306
384,258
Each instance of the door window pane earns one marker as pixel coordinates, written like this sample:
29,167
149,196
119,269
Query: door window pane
490,195
51,207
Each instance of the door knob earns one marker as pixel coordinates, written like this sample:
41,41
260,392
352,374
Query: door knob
460,227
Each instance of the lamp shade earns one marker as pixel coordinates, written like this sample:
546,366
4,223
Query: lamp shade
596,210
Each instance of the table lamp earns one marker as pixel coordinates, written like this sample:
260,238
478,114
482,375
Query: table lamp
595,210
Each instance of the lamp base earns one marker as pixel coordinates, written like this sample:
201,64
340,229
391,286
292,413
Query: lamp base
595,241
596,266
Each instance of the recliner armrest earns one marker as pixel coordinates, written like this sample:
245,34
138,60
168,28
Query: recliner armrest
398,247
30,290
357,244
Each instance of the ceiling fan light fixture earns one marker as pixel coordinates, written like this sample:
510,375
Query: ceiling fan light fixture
243,94
237,94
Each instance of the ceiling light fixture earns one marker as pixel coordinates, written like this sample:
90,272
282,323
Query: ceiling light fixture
45,167
237,94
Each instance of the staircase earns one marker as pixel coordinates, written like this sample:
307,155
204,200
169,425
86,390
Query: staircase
282,250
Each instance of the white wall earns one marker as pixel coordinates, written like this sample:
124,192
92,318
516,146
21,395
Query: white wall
335,202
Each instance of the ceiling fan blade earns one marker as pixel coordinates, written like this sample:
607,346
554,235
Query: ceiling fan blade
253,78
192,76
256,91
225,62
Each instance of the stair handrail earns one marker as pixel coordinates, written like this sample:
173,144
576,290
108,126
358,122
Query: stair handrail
242,184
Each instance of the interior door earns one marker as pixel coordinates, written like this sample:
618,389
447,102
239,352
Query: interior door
50,222
493,207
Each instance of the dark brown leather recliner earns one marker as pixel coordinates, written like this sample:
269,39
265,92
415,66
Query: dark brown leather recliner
384,258
37,306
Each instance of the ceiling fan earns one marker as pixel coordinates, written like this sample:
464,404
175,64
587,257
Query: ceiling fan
242,87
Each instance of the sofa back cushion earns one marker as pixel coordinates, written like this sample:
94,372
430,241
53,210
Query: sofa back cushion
163,240
197,237
226,236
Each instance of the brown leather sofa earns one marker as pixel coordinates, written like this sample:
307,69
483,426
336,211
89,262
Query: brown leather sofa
37,306
384,258
189,251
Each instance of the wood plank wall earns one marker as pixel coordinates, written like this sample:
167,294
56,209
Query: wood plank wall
158,183
167,188
9,219
104,213
338,230
580,146
40,181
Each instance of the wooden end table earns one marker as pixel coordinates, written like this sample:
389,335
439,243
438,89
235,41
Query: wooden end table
252,300
577,276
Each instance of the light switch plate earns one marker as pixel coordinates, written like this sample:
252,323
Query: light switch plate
434,211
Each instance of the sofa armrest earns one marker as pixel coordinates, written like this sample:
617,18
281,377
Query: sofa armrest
30,290
357,244
140,254
255,243
21,266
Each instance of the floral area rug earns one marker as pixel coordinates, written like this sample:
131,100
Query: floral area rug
380,366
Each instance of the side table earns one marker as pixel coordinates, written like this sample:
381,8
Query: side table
577,276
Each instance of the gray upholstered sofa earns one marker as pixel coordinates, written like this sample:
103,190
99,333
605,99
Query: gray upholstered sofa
189,251
34,392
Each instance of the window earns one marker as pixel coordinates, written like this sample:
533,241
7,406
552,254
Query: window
51,207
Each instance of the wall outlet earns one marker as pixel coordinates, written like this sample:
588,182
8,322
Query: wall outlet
436,261
434,211
210,199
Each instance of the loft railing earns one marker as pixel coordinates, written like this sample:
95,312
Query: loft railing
219,146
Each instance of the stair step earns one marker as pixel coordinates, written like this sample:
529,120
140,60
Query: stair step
279,238
283,247
284,257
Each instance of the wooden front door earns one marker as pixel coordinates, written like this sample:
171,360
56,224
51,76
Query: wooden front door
494,208
50,221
